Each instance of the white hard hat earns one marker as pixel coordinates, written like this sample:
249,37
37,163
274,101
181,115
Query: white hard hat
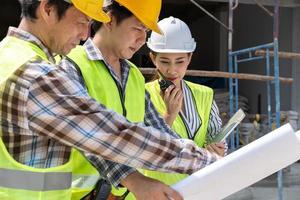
176,38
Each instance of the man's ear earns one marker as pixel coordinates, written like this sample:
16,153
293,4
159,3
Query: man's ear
111,23
152,57
47,13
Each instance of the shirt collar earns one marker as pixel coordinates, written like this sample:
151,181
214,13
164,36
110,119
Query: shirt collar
26,36
94,53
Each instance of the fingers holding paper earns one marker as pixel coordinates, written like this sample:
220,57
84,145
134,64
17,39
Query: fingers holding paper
218,148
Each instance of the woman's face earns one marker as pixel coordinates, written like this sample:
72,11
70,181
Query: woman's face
172,65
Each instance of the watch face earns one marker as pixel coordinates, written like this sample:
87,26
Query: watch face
164,84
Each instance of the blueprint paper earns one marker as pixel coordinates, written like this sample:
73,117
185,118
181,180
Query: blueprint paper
242,168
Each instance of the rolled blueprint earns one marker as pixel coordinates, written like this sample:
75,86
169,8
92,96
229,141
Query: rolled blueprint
242,168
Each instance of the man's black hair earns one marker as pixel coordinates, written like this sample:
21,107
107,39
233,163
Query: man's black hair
29,8
119,12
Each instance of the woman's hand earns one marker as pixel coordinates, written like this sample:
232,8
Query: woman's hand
218,148
173,98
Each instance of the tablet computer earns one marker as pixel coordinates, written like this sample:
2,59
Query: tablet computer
229,127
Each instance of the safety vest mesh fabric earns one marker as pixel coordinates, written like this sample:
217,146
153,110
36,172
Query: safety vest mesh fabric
102,87
19,181
203,97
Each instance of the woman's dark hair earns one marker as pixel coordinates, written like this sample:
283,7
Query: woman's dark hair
119,12
156,75
29,8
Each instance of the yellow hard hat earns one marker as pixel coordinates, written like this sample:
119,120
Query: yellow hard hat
147,11
92,8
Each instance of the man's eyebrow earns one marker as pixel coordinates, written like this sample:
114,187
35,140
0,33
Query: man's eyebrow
141,25
164,58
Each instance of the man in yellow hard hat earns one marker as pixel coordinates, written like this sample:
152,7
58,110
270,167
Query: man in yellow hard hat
48,120
101,65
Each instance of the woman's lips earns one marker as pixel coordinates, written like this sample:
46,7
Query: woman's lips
171,79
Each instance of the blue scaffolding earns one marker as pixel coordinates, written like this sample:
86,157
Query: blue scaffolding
247,55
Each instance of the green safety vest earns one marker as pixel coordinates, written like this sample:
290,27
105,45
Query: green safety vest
203,97
102,87
72,180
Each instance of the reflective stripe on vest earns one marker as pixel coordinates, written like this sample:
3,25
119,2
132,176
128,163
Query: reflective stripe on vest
19,181
101,86
44,181
82,181
35,181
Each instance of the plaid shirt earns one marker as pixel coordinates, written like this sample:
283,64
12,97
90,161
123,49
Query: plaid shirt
152,117
45,112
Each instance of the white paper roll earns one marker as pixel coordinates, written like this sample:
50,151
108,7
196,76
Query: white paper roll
242,168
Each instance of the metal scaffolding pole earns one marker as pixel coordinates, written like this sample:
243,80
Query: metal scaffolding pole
277,87
233,61
230,68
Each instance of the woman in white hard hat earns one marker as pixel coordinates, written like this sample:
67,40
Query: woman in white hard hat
187,107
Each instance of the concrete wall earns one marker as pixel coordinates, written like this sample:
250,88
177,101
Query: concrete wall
9,15
203,32
252,26
296,63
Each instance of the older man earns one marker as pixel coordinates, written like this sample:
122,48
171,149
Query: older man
48,119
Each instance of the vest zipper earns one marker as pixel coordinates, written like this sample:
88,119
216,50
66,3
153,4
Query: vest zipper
122,98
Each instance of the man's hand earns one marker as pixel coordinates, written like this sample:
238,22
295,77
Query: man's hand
218,148
145,188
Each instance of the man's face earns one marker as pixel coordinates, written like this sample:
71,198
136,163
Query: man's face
67,32
127,37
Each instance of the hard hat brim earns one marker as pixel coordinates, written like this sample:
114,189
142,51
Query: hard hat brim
92,10
161,50
140,15
152,26
156,29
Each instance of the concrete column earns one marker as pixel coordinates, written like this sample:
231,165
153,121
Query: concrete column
223,37
296,63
